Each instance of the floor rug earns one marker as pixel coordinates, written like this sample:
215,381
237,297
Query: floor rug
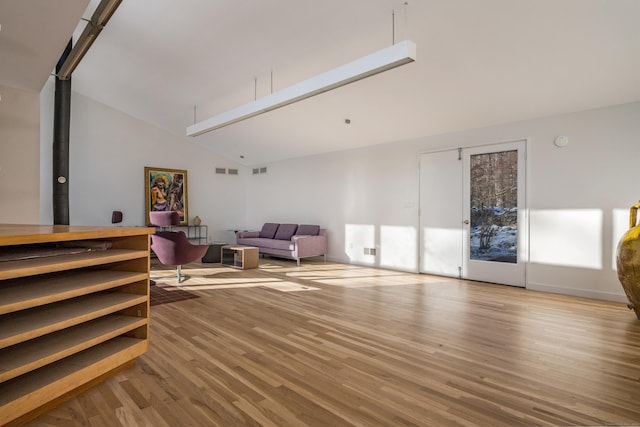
161,293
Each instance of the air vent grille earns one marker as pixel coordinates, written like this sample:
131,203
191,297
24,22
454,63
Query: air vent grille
261,169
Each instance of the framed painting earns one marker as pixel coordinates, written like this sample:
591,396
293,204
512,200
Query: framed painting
166,190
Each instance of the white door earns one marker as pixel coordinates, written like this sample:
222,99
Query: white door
494,209
472,213
441,213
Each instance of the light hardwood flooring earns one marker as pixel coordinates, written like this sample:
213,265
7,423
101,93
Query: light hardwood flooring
327,344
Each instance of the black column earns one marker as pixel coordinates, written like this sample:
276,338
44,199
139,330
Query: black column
61,125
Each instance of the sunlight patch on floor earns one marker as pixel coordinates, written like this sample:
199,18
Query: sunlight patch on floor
305,267
290,287
331,274
222,284
370,281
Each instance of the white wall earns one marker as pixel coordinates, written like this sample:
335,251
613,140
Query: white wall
578,197
341,192
19,156
108,153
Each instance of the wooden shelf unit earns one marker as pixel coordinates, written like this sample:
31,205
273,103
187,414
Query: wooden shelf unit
68,321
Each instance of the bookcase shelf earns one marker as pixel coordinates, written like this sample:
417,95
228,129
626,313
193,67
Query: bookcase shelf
62,377
34,291
24,325
68,320
38,352
30,267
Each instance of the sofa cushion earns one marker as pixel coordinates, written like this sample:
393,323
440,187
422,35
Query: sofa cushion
285,245
269,230
308,230
285,231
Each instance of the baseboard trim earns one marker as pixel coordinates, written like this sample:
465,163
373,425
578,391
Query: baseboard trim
583,293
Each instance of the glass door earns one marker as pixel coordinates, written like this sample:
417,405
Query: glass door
494,225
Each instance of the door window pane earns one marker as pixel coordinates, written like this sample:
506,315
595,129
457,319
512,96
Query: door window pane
494,207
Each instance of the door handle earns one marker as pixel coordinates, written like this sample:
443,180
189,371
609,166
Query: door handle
466,221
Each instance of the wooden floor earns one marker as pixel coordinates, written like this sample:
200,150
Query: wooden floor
334,345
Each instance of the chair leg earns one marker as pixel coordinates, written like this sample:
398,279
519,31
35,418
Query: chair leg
179,273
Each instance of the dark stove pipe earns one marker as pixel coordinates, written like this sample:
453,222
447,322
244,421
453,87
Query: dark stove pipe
61,126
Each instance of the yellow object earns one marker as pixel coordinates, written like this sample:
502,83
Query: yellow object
628,261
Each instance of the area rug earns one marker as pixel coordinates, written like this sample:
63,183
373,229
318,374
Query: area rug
161,293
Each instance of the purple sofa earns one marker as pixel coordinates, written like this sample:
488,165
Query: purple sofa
287,240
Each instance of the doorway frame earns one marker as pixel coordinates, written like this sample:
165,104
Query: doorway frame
525,221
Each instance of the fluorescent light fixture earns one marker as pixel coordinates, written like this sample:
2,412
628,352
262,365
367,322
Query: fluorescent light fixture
399,54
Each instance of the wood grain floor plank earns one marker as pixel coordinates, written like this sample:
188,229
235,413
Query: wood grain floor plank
327,344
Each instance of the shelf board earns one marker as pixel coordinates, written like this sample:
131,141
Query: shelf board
52,264
32,323
20,294
21,234
34,389
25,357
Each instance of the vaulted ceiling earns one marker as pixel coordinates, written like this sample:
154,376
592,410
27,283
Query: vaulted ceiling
33,34
479,63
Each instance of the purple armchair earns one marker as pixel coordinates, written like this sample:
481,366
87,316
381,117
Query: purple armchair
173,247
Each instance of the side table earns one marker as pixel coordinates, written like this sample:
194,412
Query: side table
242,257
213,253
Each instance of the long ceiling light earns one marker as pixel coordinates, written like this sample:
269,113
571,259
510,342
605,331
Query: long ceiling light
99,19
398,54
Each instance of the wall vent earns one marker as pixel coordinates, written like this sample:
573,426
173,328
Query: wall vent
262,169
221,171
369,251
233,171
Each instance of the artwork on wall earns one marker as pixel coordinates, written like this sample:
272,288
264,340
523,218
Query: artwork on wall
166,190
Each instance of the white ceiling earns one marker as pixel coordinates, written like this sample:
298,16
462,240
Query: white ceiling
33,33
479,63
